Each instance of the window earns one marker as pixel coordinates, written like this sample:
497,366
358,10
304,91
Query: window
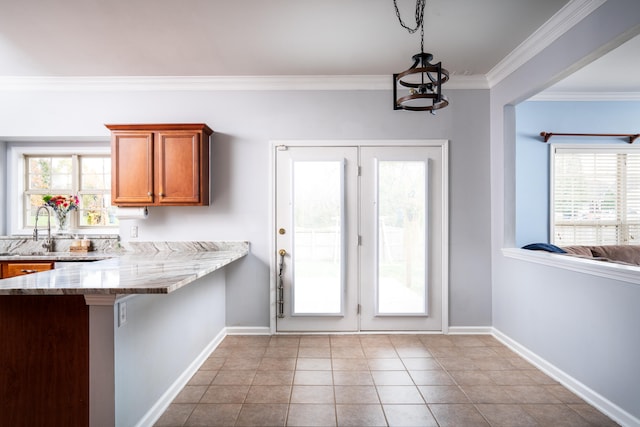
595,196
88,176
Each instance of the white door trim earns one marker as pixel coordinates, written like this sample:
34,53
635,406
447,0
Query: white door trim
443,143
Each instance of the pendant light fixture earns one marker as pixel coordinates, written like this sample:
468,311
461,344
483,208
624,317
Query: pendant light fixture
419,88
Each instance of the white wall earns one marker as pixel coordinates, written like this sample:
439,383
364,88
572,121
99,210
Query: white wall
161,339
244,124
585,326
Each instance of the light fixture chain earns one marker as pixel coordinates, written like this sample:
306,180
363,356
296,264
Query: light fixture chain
419,16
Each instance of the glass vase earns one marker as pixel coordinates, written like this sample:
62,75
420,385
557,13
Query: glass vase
63,222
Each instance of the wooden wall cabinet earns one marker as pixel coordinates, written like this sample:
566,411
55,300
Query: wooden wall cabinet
13,269
160,164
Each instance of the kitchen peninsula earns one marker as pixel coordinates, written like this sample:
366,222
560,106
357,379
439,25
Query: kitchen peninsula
110,342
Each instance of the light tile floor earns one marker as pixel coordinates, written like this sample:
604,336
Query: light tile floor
373,380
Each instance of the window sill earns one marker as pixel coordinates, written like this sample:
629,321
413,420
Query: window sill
609,270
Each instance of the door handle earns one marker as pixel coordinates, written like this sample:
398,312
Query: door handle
280,298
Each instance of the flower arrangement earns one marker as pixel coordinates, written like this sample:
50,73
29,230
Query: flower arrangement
62,204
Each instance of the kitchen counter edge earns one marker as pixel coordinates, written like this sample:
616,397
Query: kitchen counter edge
159,272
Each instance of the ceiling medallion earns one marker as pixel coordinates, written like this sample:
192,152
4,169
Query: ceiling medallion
419,88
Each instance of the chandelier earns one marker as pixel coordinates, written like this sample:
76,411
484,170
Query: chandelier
419,88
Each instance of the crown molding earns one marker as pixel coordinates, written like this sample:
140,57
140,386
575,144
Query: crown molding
586,96
217,83
475,81
567,17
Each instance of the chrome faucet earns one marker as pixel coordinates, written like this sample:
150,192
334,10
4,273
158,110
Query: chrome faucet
48,243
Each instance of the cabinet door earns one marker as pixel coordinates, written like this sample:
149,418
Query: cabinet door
180,178
12,269
132,168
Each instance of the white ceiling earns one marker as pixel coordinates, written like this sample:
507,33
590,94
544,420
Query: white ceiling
197,38
256,37
614,74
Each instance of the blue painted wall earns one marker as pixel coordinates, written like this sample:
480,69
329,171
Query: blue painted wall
532,155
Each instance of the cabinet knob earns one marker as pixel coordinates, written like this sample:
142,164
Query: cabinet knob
149,193
161,194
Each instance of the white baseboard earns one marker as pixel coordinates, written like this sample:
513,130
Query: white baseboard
248,330
470,330
168,396
604,405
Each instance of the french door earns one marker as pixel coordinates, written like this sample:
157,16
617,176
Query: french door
317,238
360,238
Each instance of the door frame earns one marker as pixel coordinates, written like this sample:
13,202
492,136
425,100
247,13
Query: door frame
273,269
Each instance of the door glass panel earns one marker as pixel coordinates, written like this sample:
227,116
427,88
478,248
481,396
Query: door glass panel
318,216
401,218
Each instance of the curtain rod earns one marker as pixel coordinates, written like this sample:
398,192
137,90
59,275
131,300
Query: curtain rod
632,136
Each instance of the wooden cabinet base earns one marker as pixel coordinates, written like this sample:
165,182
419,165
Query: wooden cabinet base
44,362
13,269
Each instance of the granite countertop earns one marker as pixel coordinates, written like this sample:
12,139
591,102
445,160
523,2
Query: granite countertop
151,269
55,256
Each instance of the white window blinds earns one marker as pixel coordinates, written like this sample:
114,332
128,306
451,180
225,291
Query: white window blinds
595,196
